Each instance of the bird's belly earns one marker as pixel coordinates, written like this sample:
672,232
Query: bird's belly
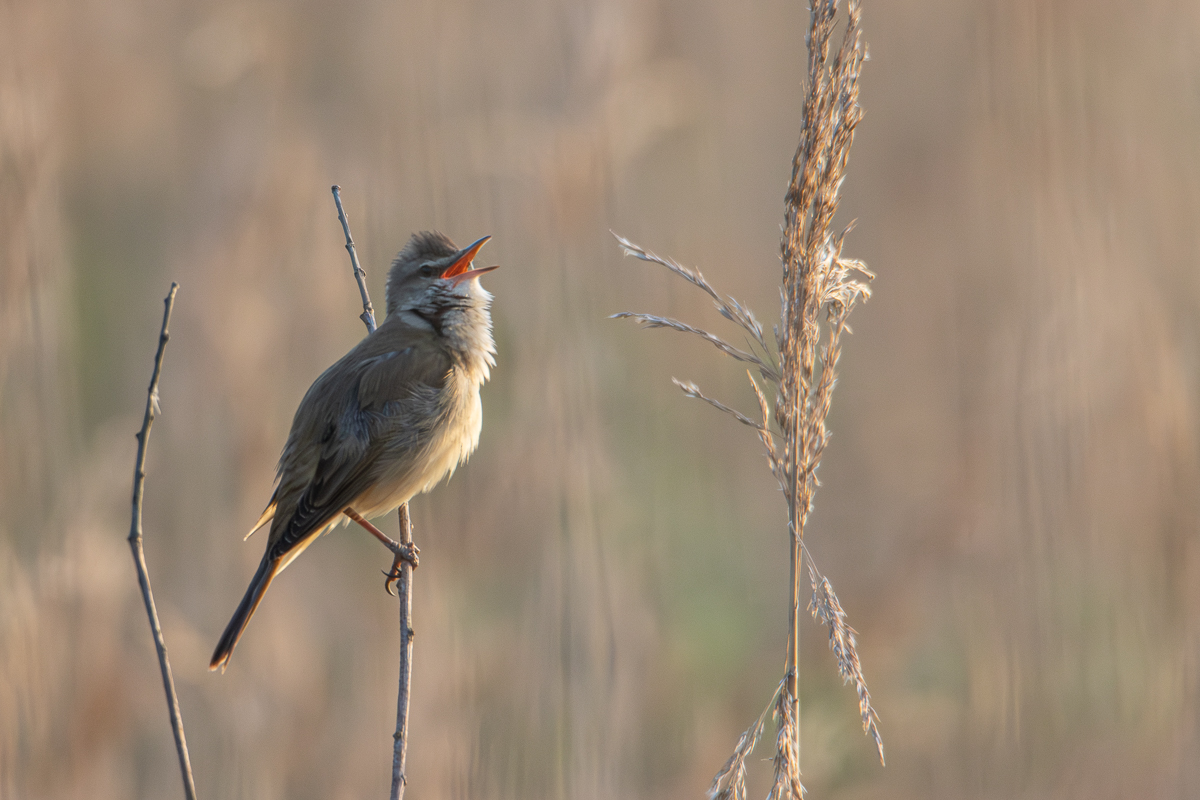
448,446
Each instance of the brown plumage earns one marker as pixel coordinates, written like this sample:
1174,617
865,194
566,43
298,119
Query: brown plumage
390,419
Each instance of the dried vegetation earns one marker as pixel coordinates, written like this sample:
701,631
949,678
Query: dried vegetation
820,287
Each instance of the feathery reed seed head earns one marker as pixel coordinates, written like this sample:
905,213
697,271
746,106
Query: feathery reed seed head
820,287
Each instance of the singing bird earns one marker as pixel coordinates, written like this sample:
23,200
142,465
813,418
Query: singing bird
389,420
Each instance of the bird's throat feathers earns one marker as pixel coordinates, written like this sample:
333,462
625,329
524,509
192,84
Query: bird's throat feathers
461,318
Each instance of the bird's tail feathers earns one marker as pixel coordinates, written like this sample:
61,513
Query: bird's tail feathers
267,570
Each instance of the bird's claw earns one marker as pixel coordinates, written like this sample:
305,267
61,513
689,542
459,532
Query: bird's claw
404,552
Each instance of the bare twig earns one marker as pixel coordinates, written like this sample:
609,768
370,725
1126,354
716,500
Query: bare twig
400,749
139,555
404,585
368,314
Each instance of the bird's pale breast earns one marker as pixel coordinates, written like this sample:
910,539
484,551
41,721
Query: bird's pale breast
449,444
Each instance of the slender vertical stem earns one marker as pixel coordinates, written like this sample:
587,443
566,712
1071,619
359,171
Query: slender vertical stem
800,501
368,314
400,750
794,655
404,585
139,555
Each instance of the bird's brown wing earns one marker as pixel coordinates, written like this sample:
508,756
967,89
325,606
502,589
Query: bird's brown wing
359,408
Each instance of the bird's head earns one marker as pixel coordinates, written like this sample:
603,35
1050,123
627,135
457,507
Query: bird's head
431,263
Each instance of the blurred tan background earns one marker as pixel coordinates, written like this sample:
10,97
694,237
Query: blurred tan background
1010,501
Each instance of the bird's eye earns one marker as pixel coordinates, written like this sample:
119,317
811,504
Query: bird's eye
427,271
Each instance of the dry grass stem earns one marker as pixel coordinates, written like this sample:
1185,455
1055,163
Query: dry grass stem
820,288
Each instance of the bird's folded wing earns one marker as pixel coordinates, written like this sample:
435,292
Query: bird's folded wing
359,432
341,476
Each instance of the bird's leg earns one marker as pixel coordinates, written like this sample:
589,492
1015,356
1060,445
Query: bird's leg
403,552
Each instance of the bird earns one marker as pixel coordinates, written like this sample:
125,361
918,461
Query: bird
387,421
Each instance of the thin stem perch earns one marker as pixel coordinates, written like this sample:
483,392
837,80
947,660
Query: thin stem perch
400,750
404,585
139,555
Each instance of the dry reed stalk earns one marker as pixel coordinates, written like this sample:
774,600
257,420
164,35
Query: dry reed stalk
820,288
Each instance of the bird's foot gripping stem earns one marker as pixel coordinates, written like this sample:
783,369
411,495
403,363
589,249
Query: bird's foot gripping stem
403,552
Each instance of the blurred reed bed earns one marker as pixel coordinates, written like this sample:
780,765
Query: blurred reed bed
36,435
1019,477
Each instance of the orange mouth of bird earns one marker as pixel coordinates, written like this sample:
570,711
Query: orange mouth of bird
462,263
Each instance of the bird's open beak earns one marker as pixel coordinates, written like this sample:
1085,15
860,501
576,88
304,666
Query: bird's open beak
471,273
463,261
